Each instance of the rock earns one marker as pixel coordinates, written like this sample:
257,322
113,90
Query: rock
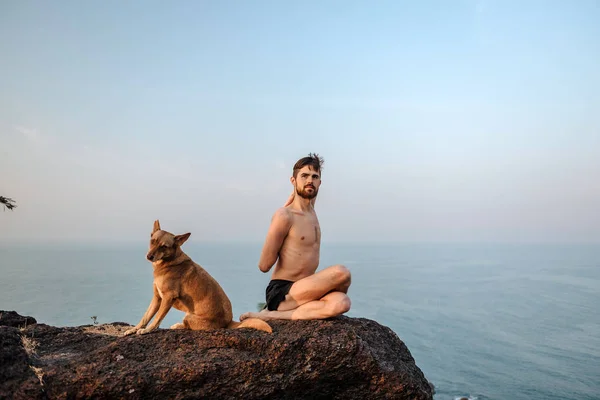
11,318
340,358
17,378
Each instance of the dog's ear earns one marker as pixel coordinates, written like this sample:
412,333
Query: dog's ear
180,239
156,226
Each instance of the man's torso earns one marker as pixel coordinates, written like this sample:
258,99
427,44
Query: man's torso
299,254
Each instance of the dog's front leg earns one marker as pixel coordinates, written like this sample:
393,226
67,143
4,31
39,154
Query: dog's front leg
152,308
165,306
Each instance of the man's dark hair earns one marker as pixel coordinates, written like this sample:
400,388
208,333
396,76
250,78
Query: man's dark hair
313,160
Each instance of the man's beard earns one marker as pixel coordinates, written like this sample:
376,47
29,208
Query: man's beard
305,195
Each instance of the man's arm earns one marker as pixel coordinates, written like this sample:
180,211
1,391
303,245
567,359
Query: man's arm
280,226
291,199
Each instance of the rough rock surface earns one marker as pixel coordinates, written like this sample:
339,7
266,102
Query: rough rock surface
11,318
340,358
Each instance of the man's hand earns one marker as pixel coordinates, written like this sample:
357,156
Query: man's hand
290,199
293,195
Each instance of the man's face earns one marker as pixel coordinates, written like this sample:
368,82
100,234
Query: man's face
307,182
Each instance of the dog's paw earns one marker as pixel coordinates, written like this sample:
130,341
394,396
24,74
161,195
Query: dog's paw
178,326
144,331
130,331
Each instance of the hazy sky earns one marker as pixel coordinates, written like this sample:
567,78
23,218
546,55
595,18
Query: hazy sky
438,120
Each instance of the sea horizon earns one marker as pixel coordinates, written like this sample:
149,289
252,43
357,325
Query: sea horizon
484,321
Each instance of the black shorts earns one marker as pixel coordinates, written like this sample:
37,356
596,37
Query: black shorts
276,292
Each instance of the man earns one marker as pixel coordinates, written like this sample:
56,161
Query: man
293,241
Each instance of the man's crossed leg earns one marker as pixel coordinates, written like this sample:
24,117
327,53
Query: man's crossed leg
319,296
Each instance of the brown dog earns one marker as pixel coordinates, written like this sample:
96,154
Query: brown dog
181,283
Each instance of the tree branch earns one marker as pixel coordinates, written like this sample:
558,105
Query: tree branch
7,202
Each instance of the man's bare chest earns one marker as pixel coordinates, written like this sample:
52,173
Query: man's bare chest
305,230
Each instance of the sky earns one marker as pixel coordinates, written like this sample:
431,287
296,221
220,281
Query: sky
439,121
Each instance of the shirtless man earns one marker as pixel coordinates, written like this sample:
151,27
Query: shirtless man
293,241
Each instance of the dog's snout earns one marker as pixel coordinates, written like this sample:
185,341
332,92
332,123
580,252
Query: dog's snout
150,257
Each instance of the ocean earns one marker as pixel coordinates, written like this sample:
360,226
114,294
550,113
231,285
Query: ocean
484,321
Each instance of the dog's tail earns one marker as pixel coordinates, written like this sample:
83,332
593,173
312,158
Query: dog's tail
253,323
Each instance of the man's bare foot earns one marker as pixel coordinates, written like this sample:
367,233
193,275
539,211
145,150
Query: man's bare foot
265,315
